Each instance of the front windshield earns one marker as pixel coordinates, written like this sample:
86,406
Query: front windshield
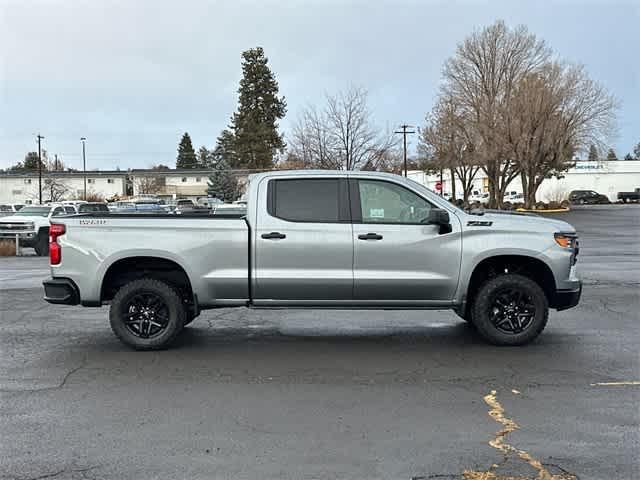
35,211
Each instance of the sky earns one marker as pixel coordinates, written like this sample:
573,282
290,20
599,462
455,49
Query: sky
133,76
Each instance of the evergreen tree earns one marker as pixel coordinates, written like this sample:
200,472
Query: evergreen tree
593,153
611,155
636,151
628,157
256,140
224,149
205,157
223,184
186,155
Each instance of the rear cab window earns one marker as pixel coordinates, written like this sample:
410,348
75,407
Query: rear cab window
319,200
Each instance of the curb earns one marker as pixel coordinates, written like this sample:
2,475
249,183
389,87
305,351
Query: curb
555,210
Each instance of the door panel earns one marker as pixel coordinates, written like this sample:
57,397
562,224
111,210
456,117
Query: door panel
297,257
395,256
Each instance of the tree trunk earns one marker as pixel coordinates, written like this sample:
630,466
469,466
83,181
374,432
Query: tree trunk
452,175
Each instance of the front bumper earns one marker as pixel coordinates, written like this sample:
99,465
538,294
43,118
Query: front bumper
61,291
565,299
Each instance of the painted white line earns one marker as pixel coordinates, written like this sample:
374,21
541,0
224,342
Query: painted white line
615,384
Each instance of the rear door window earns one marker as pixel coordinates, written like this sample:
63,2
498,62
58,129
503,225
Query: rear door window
318,200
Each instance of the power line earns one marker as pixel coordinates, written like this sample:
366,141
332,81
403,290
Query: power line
404,133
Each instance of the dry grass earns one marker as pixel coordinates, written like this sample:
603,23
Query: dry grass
7,248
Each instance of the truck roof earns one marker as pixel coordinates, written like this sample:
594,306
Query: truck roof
322,173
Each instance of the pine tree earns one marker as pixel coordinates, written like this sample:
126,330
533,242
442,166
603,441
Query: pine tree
611,155
223,184
256,140
224,149
186,155
628,156
205,157
593,153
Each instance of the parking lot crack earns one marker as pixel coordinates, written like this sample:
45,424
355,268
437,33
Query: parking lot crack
59,386
499,442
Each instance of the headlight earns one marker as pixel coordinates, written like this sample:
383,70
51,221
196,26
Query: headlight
566,240
569,241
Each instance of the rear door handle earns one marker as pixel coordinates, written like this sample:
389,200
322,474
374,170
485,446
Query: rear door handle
370,236
273,235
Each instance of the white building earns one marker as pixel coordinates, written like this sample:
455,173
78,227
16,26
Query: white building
22,187
605,177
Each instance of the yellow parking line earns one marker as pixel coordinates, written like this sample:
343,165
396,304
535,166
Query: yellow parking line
615,384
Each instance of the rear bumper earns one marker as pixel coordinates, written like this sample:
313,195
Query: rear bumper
565,299
61,291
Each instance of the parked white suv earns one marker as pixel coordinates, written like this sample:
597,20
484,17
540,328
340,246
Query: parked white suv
31,225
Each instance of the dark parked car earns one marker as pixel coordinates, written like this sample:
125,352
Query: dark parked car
583,197
627,197
93,207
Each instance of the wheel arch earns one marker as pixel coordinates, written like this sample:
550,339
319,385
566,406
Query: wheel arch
522,264
124,270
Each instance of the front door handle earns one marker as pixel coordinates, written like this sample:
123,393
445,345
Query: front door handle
273,236
370,236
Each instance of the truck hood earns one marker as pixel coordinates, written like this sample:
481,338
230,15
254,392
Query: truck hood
522,222
24,219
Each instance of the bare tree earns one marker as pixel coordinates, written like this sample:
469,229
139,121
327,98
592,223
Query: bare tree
342,136
481,77
450,145
57,188
149,184
555,112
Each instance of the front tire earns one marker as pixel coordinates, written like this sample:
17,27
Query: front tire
147,314
510,310
42,244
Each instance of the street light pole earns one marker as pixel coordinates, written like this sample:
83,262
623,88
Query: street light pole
40,137
84,166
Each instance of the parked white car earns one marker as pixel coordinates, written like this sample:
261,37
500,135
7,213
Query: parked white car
478,196
513,197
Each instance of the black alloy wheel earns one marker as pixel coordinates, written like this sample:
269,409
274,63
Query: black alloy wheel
512,310
146,315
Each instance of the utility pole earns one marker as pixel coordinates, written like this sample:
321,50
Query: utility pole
39,137
84,166
404,133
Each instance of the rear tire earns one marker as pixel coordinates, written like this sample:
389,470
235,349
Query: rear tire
147,314
510,310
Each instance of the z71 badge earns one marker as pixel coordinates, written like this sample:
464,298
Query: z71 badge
93,221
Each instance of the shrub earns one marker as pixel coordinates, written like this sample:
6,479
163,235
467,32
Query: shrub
565,204
94,197
553,205
507,206
7,248
540,206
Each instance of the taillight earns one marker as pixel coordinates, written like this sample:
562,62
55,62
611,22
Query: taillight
55,250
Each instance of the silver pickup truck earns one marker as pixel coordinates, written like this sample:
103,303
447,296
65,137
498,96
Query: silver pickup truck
318,239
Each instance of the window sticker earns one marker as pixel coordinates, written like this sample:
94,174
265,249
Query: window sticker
376,213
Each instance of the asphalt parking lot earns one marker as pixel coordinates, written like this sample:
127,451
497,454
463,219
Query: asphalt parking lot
329,394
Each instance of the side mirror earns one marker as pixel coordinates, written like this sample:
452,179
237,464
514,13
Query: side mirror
438,216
